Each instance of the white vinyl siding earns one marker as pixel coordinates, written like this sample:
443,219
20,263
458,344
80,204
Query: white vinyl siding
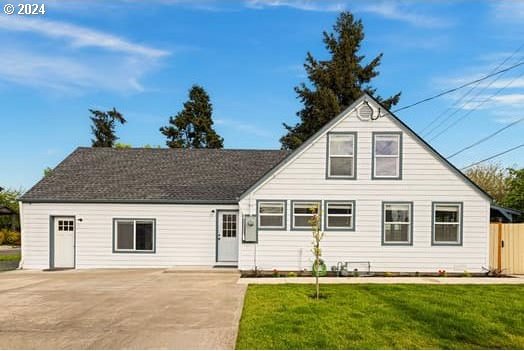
271,215
447,223
425,179
341,155
185,234
387,155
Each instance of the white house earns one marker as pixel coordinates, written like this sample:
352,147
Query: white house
385,195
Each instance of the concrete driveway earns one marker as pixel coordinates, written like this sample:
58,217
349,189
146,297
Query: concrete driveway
119,309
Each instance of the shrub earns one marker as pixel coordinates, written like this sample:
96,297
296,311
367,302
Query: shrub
10,237
291,275
2,237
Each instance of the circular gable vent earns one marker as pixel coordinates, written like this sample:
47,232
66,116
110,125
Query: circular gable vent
365,112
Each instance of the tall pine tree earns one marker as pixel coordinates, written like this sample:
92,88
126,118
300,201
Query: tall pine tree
193,126
103,127
335,83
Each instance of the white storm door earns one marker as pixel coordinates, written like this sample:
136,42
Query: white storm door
227,236
64,242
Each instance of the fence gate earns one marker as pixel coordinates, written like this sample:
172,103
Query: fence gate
506,246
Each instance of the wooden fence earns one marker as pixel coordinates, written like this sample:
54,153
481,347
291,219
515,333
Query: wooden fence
506,246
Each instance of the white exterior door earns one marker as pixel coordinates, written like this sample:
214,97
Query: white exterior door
227,236
64,242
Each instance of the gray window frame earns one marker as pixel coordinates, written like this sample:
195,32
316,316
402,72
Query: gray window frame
400,155
292,214
134,251
411,216
339,229
284,215
328,156
434,205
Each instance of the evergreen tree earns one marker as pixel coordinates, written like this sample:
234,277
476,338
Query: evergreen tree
193,126
103,127
336,82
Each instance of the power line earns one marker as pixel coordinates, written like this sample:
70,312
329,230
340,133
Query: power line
476,107
443,113
485,138
518,64
494,156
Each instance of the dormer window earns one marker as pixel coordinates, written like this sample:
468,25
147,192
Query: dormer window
341,160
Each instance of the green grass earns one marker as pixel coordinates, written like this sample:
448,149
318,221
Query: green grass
383,317
10,257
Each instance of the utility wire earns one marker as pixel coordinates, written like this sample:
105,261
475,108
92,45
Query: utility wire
463,96
476,107
518,64
485,138
494,156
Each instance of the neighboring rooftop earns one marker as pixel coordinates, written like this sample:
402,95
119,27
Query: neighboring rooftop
154,175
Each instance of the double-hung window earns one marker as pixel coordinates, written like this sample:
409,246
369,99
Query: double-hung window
134,235
397,223
447,224
341,155
387,158
340,215
302,212
272,215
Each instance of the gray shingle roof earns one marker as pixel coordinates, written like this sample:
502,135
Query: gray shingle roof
154,175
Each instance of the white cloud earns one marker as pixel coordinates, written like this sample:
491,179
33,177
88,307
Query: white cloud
305,5
112,63
395,11
77,36
508,10
68,75
387,9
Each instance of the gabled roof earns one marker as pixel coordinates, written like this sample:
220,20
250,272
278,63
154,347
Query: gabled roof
142,175
395,119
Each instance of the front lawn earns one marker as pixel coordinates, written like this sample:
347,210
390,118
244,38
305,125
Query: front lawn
383,317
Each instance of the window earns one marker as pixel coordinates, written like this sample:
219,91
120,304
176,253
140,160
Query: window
272,214
229,225
66,225
134,235
341,155
302,213
447,224
387,158
397,226
340,215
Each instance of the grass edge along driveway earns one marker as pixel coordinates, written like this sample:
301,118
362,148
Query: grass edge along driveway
383,317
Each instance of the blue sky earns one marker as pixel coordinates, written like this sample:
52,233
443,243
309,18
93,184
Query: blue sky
142,57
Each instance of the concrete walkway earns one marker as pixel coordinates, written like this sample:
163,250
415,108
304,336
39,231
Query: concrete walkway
119,309
385,280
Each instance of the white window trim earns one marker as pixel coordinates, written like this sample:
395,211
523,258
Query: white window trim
434,240
353,156
410,223
134,220
283,214
398,156
301,202
327,215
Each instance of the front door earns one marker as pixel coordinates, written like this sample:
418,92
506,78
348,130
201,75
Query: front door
227,241
64,242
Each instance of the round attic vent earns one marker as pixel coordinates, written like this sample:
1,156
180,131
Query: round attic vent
365,112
